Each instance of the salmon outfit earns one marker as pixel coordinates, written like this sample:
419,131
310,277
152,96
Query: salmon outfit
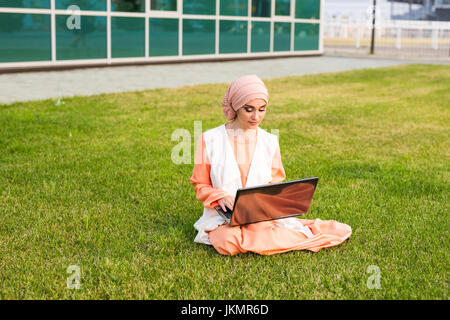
224,163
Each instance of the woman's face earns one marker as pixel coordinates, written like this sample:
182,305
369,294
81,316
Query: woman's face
251,114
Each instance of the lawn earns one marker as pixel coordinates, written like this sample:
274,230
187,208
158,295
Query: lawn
90,182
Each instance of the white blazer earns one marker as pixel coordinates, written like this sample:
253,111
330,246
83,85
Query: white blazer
225,175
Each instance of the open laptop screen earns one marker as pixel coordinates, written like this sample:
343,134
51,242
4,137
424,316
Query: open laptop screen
276,201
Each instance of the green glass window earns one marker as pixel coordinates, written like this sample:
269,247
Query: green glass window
234,7
307,9
127,37
40,4
163,37
128,5
261,8
282,36
283,7
306,36
87,42
260,36
199,36
91,5
233,36
24,37
199,7
169,5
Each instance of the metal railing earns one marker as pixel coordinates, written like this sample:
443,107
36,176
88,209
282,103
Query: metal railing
421,39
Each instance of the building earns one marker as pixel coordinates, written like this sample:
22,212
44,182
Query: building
437,10
355,10
72,33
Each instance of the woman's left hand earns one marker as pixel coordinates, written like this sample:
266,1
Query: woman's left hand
227,201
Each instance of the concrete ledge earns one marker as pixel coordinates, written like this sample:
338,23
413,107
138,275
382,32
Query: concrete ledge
6,70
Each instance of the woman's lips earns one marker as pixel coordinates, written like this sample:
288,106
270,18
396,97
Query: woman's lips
253,123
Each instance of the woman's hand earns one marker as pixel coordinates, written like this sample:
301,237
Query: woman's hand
226,202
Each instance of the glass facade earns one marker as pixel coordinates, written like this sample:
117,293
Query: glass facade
199,7
307,9
233,36
199,36
86,42
128,6
261,8
167,5
36,4
234,8
260,36
306,36
24,37
282,7
163,37
282,36
127,37
89,5
105,30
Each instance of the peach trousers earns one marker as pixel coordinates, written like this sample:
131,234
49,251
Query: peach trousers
267,238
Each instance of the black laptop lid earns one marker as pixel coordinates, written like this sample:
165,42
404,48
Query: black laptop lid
273,201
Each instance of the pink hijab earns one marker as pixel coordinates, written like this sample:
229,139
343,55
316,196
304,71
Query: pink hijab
241,91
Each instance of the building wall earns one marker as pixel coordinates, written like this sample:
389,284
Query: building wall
80,32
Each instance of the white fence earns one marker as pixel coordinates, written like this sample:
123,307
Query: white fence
393,37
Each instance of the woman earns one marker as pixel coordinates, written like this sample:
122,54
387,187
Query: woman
240,154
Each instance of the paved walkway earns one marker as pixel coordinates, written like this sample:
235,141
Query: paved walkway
58,84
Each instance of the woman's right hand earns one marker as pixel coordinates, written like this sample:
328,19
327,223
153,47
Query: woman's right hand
226,202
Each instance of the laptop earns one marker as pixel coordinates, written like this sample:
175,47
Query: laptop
270,201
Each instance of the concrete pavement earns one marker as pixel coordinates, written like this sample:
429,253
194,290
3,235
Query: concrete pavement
80,82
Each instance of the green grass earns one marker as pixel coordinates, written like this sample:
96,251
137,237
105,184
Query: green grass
91,183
